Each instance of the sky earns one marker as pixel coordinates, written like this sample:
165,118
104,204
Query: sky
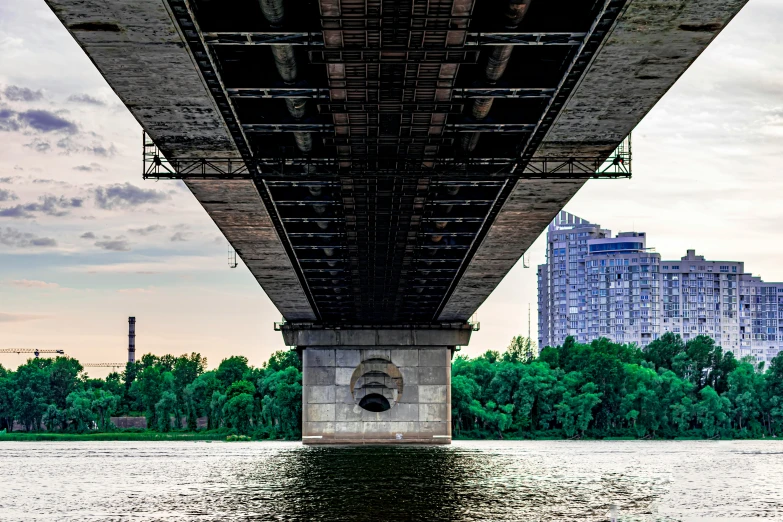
85,242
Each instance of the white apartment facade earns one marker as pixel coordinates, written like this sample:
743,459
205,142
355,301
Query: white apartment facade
595,285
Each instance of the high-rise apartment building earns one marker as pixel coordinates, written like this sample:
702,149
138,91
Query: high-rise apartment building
595,285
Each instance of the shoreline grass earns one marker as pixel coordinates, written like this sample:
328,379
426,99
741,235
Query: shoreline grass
23,436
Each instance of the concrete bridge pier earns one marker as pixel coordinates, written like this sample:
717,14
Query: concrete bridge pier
376,386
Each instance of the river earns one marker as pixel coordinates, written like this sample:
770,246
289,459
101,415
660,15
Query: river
538,480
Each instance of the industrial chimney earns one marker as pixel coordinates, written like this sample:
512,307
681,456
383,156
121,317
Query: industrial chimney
131,339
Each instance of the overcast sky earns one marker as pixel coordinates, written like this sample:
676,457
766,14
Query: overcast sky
84,242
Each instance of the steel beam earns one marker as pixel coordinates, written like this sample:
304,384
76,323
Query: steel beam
315,39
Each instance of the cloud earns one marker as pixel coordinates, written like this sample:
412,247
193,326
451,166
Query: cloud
37,119
85,98
176,264
49,205
14,93
146,231
8,179
15,238
39,145
17,318
100,150
87,235
46,121
8,121
136,290
68,146
116,196
180,236
115,245
7,195
92,167
27,283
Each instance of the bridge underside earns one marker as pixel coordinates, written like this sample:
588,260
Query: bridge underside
384,163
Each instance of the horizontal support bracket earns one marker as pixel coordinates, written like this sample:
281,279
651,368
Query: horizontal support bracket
315,39
323,93
319,170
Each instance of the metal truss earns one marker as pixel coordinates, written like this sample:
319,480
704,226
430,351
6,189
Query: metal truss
316,170
323,93
315,39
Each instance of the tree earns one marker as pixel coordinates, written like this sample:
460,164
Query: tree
231,370
79,413
662,351
7,394
745,393
64,378
537,394
281,402
520,349
641,403
54,418
238,412
711,411
575,411
197,397
104,404
165,409
31,397
147,390
463,393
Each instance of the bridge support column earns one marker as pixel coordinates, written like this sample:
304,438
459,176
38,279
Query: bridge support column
376,386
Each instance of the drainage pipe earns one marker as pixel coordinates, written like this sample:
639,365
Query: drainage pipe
497,61
285,62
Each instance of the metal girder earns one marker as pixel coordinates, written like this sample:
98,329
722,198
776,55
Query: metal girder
393,55
279,92
485,126
322,93
315,39
315,170
516,38
287,127
502,92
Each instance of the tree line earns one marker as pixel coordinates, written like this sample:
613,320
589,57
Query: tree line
602,389
171,392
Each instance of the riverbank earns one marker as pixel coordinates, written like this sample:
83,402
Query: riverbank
135,436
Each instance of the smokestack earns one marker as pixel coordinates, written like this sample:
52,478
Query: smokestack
131,339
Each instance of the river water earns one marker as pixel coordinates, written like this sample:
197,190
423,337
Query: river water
541,480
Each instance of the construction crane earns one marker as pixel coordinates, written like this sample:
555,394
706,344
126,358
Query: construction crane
103,365
35,351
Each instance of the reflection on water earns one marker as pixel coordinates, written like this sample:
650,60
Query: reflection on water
465,481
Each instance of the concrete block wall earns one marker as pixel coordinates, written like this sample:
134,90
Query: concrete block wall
331,414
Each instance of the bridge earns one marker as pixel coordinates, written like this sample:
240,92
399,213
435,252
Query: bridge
380,165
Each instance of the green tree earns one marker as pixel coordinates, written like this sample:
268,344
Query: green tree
104,404
147,390
712,411
165,409
520,349
79,412
575,411
231,370
281,402
239,412
662,351
31,397
745,391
